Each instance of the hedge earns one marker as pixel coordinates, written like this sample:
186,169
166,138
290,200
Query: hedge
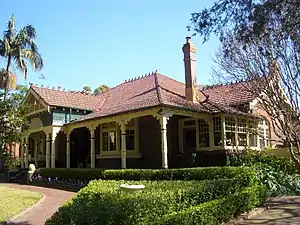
72,173
216,211
103,202
202,173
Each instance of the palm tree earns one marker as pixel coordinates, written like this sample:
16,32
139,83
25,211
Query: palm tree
19,48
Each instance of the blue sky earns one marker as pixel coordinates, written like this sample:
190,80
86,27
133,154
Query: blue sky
96,42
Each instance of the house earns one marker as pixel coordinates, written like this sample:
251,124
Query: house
151,121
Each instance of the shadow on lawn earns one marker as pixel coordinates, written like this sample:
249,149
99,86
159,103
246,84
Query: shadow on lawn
16,223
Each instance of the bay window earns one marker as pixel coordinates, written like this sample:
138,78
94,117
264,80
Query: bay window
217,127
252,129
230,129
242,132
203,129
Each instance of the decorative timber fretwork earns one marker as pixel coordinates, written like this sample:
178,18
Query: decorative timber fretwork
33,104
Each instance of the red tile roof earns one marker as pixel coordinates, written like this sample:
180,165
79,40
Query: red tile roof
149,91
76,100
232,94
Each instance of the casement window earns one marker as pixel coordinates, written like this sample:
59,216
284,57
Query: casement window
217,126
131,133
108,137
203,130
252,129
195,133
111,137
230,129
263,133
242,132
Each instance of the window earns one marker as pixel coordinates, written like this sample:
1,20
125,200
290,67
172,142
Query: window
217,131
242,132
109,137
263,134
203,133
130,136
230,131
253,133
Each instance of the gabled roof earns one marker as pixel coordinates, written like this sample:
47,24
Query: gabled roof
148,91
153,90
75,100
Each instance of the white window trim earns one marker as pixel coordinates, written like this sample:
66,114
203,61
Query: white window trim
117,152
181,126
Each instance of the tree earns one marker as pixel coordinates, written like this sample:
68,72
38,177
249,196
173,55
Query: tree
87,89
260,43
101,89
13,116
19,48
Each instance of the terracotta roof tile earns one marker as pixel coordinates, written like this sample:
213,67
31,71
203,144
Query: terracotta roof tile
230,94
149,91
76,100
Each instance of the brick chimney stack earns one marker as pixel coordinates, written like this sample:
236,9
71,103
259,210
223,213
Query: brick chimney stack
191,90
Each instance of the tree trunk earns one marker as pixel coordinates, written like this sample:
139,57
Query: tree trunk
294,157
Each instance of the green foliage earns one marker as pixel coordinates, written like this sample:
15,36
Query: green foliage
216,211
248,19
12,116
103,202
74,174
278,174
277,182
201,173
9,161
206,173
252,157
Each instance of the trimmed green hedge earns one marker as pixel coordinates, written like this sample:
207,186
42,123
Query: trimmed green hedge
216,211
103,202
202,173
72,173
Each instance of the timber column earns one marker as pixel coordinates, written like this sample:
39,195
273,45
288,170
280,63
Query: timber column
92,133
55,131
26,152
68,150
22,153
163,118
47,150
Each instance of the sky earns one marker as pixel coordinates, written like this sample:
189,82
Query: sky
96,42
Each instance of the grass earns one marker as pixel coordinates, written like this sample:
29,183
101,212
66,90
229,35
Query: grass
14,201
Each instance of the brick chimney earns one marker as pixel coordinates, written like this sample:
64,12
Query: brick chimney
191,90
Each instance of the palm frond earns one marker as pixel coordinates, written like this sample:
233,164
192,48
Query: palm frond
11,29
2,48
34,58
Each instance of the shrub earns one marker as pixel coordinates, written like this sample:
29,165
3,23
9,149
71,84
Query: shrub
72,173
251,157
216,211
202,173
278,183
103,202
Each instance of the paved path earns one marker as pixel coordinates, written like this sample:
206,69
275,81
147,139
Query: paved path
38,215
283,211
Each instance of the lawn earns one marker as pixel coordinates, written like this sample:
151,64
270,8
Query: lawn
14,201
